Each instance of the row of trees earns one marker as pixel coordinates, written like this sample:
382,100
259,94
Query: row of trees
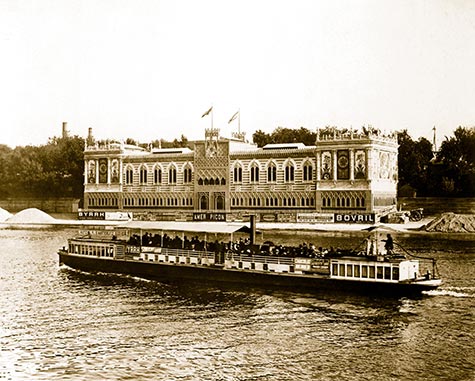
48,171
56,169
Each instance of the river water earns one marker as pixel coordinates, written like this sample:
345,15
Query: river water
61,324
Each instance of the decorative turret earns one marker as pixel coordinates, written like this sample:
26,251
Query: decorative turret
90,138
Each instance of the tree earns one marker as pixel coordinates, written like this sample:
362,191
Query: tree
457,157
285,135
261,138
414,158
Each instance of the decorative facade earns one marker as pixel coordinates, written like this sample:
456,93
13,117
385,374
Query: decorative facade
345,172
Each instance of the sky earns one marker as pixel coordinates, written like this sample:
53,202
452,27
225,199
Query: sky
149,69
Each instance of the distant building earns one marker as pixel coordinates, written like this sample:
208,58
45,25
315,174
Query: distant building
346,175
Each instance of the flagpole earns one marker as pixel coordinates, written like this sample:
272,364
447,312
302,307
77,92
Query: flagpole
212,109
239,121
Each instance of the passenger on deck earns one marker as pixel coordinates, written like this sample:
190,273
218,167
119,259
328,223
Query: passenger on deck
389,246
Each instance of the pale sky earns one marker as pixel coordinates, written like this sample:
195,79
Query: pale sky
148,69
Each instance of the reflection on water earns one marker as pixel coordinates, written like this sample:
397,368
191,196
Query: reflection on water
60,324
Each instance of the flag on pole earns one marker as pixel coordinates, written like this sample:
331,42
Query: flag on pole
207,112
234,116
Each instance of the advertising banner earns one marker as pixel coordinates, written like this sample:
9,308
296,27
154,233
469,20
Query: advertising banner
209,216
356,218
316,218
102,215
91,215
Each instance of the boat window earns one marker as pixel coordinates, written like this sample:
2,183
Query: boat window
349,270
342,270
371,272
335,269
364,271
387,272
379,272
395,273
356,273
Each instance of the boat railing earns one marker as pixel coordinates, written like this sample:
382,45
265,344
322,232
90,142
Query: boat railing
230,256
427,265
170,251
188,253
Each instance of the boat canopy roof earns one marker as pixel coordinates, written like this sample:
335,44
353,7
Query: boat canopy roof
196,227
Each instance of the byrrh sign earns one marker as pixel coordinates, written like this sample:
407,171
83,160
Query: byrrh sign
361,218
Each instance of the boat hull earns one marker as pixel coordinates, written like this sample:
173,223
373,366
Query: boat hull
173,273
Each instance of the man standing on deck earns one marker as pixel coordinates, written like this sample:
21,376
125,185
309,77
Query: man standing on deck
389,246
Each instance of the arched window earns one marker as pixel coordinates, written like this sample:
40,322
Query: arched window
129,176
220,202
172,175
255,173
271,173
289,172
143,175
223,181
203,203
157,175
307,172
187,175
238,174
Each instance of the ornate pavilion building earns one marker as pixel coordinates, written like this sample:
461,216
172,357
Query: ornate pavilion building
346,176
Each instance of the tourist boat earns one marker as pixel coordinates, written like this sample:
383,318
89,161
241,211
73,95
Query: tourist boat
180,259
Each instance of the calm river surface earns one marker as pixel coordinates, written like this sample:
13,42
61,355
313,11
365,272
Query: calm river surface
60,324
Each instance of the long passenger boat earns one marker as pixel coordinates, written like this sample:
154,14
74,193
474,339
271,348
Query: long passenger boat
171,259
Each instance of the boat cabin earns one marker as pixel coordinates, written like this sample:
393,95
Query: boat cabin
354,268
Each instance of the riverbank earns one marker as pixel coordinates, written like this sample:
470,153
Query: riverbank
33,216
449,223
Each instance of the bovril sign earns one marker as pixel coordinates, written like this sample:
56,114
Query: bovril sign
360,218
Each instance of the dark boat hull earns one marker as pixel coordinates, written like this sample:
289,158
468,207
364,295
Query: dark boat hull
173,273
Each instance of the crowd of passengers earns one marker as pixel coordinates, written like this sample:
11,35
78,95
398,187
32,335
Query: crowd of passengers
241,246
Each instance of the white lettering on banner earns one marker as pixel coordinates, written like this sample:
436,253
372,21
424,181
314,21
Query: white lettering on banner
122,233
91,215
110,216
355,218
118,216
209,217
315,218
